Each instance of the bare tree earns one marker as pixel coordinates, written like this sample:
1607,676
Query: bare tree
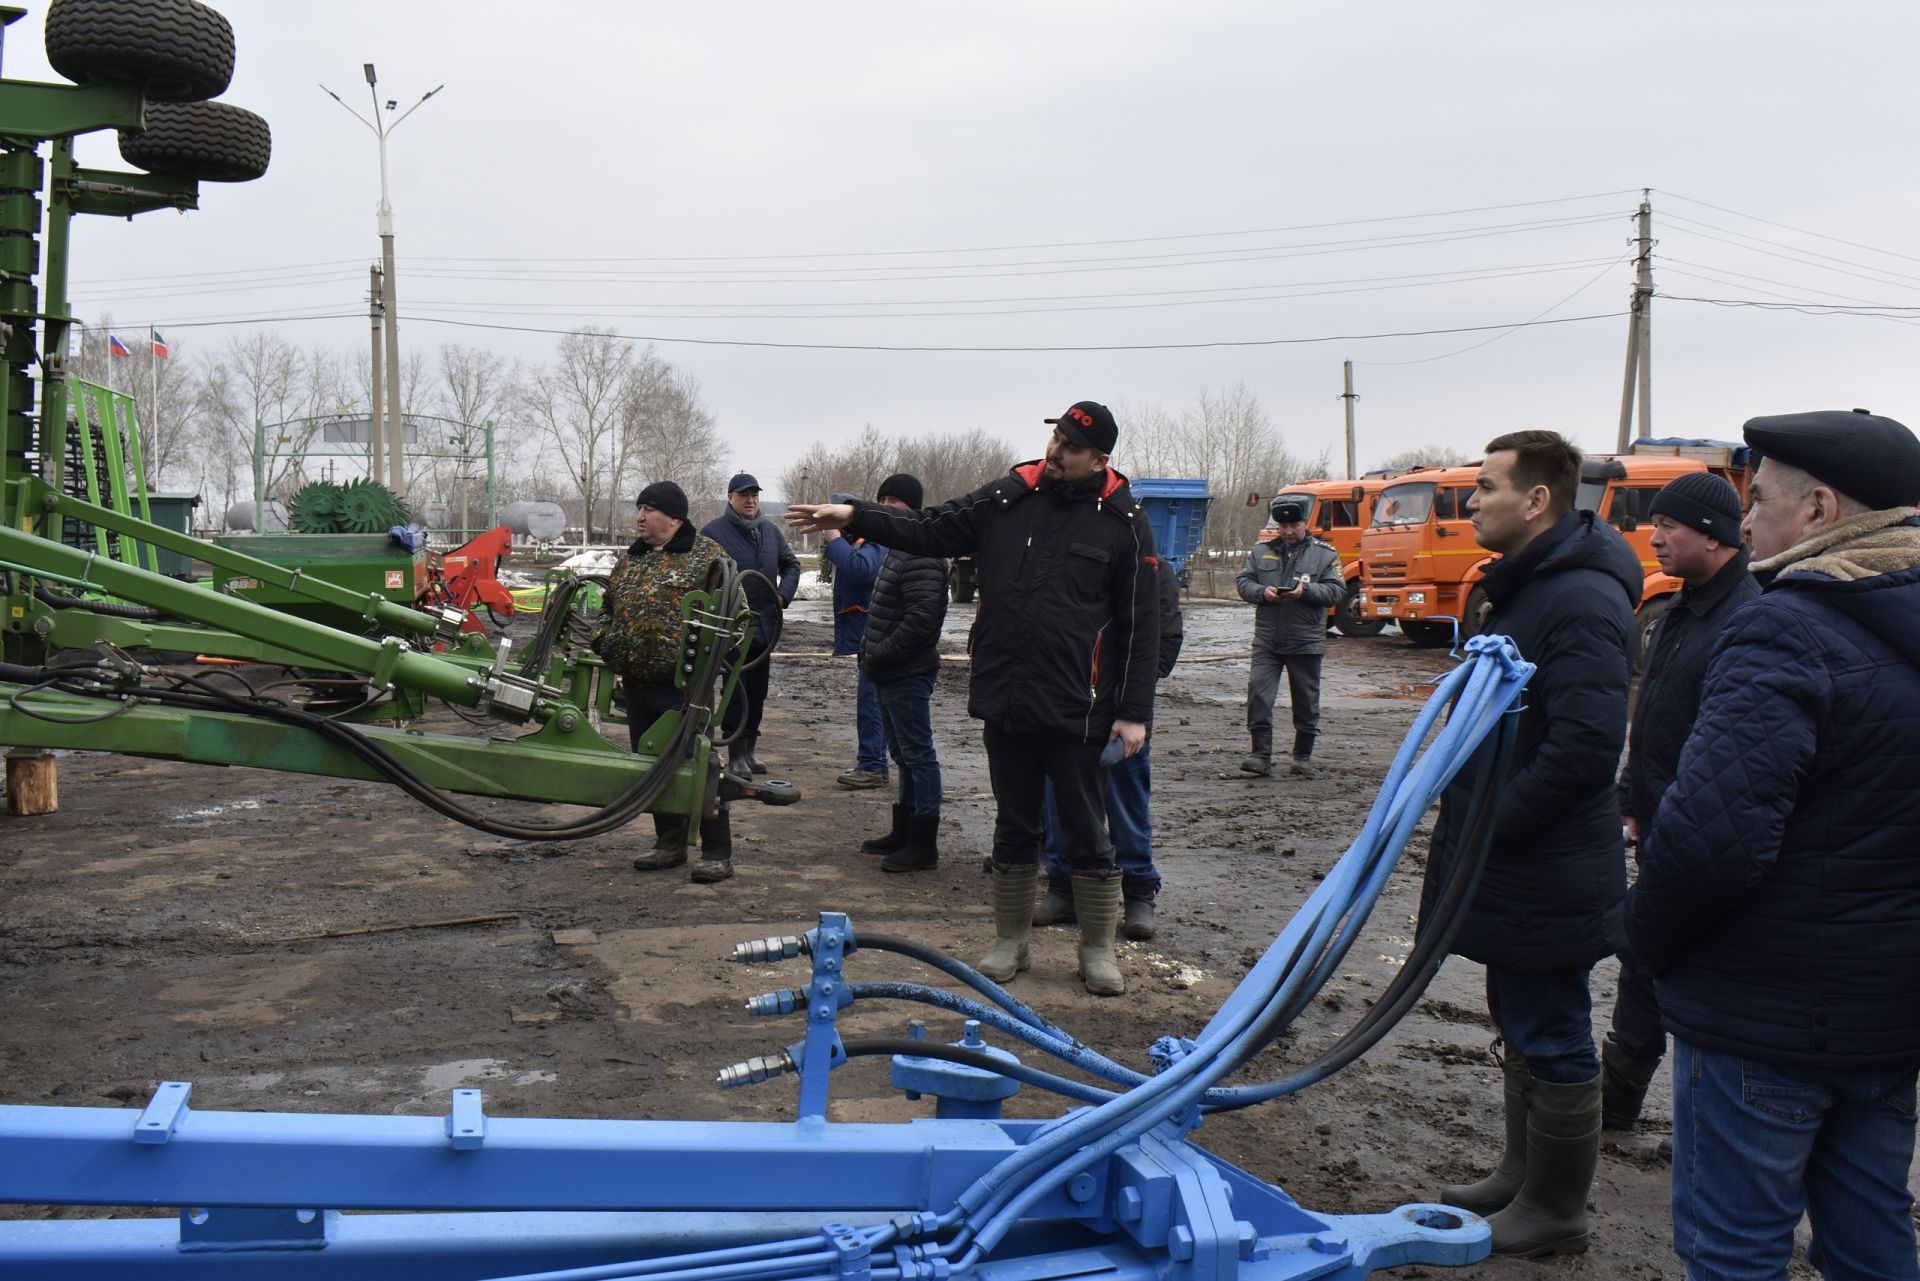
162,391
1425,456
577,402
666,433
947,465
475,388
261,379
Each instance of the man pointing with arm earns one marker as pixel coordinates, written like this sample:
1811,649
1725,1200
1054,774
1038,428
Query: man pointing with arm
1064,652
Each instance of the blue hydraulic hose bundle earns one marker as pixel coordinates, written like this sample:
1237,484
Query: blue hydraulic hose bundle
1471,709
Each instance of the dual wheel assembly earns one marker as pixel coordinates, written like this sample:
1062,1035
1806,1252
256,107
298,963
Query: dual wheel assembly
180,53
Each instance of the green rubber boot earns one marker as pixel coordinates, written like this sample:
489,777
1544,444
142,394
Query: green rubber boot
1549,1214
1497,1189
1012,922
1097,904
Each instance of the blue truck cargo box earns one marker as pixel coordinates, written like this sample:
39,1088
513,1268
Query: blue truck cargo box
1177,512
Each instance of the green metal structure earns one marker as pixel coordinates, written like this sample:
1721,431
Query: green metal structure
121,675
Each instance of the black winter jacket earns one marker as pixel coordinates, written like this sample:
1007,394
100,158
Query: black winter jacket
1778,904
1676,664
903,619
1555,878
1067,634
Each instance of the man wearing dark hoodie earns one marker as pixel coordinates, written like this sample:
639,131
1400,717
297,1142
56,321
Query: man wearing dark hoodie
1549,901
1064,647
1778,904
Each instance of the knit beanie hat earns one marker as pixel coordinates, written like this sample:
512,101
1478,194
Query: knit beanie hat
1703,501
664,497
904,487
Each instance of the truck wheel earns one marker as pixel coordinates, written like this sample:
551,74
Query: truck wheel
175,50
1479,612
1426,634
1349,618
209,141
963,583
1650,614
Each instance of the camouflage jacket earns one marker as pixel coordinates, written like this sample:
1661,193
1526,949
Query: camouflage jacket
641,637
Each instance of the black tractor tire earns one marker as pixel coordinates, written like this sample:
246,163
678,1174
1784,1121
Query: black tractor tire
1427,634
209,141
1348,618
964,582
1650,614
175,50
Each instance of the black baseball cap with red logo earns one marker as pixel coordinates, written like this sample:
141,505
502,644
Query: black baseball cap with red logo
1088,424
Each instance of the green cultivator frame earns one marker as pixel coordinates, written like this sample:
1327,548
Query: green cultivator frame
101,653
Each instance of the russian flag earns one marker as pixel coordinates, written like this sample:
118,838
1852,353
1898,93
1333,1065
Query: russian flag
115,347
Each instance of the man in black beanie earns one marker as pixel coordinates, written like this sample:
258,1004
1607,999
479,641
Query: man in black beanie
641,641
1696,538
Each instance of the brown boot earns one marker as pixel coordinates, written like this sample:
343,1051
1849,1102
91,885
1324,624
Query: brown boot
1497,1189
1012,922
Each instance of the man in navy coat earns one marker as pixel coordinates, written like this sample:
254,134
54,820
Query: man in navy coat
1778,905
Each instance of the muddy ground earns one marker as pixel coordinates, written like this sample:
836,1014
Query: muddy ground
271,939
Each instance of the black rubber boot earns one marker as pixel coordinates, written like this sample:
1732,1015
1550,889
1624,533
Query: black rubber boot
1624,1078
1499,1188
669,845
716,849
921,853
1302,753
1056,906
1549,1215
892,840
1260,760
1137,923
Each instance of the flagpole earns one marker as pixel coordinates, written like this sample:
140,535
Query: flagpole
153,386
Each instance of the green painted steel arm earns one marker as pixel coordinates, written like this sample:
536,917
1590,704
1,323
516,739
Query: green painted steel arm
37,496
385,663
566,762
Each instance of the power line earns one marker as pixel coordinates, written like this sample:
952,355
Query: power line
1854,244
1793,250
1427,360
1186,346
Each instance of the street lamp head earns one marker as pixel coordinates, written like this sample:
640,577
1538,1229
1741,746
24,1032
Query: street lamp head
392,104
370,77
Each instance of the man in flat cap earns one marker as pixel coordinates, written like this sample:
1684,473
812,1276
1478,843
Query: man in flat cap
1063,661
1778,905
1291,582
1696,538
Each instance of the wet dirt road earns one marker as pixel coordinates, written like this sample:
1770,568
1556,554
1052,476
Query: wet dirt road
280,942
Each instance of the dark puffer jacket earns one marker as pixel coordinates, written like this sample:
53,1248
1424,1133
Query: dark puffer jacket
1676,665
1068,628
1779,895
903,621
1557,873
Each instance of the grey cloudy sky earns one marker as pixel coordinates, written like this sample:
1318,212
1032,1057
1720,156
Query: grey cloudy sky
1080,175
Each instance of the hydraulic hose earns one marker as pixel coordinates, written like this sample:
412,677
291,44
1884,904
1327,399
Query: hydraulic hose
109,609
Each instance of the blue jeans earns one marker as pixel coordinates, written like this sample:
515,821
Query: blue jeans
1755,1144
873,729
1546,1017
906,710
1129,824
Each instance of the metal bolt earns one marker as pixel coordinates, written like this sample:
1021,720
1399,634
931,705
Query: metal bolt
1180,1243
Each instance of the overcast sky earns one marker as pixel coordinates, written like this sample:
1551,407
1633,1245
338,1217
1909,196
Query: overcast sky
1147,178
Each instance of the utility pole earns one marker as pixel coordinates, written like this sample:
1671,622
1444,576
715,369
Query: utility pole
1346,367
381,127
376,433
1639,372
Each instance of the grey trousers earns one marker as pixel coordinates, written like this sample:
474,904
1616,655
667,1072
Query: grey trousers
1303,688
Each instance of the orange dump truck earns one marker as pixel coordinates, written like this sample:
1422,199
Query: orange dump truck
1339,511
1422,567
